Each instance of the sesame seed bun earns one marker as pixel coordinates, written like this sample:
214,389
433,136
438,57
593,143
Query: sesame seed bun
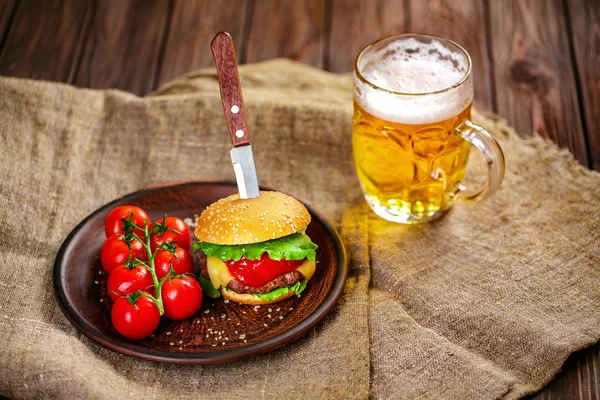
240,221
252,299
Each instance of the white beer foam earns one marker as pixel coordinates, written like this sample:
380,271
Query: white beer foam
413,67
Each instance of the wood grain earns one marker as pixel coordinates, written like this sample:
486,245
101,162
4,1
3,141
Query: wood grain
533,74
123,45
44,39
463,22
287,28
231,88
585,27
356,23
579,379
192,27
7,7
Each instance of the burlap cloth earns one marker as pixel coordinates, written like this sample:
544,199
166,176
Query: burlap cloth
487,302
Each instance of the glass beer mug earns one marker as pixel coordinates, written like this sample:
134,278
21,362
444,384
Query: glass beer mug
412,128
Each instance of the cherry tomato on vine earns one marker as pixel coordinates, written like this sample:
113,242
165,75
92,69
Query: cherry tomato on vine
164,233
123,281
114,224
115,251
182,297
137,320
182,262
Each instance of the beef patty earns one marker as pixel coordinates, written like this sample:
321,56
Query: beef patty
283,280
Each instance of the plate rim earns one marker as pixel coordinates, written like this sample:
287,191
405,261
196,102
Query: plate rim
218,357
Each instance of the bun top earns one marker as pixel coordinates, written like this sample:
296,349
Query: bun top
240,221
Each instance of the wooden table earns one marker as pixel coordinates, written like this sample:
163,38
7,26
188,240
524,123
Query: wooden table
536,63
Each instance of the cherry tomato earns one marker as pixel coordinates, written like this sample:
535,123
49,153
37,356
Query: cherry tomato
114,224
135,322
123,281
165,234
181,297
182,262
115,251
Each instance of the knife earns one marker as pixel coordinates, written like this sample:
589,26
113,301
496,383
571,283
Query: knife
242,157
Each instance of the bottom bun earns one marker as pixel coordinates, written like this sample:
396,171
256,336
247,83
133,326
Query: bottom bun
245,298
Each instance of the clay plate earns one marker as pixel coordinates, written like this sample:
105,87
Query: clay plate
219,332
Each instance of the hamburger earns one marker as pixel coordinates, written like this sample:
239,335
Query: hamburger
257,251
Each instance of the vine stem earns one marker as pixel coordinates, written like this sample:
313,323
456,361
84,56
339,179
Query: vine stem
150,267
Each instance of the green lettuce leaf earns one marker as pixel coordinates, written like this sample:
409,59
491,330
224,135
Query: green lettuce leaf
298,287
297,246
207,287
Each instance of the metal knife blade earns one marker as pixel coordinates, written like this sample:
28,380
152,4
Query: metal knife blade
245,171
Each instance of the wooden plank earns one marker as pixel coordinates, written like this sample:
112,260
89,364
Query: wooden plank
533,75
356,23
7,7
191,29
585,27
123,45
579,379
287,28
464,22
44,39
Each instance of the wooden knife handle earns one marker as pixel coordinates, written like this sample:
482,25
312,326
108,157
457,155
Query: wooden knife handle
231,91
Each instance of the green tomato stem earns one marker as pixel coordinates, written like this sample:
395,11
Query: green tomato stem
151,256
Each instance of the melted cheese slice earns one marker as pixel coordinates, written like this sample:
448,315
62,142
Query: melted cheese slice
220,276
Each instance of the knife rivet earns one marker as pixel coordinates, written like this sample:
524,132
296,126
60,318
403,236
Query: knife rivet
235,109
239,133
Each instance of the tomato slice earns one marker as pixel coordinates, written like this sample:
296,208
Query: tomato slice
255,273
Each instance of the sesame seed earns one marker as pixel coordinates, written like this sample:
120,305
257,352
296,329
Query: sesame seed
168,333
265,325
236,332
96,282
171,344
101,300
280,317
243,336
245,341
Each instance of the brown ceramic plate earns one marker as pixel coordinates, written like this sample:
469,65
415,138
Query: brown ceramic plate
220,332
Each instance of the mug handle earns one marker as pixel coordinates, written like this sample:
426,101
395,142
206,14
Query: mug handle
487,144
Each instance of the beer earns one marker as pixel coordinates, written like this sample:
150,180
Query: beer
408,170
410,95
